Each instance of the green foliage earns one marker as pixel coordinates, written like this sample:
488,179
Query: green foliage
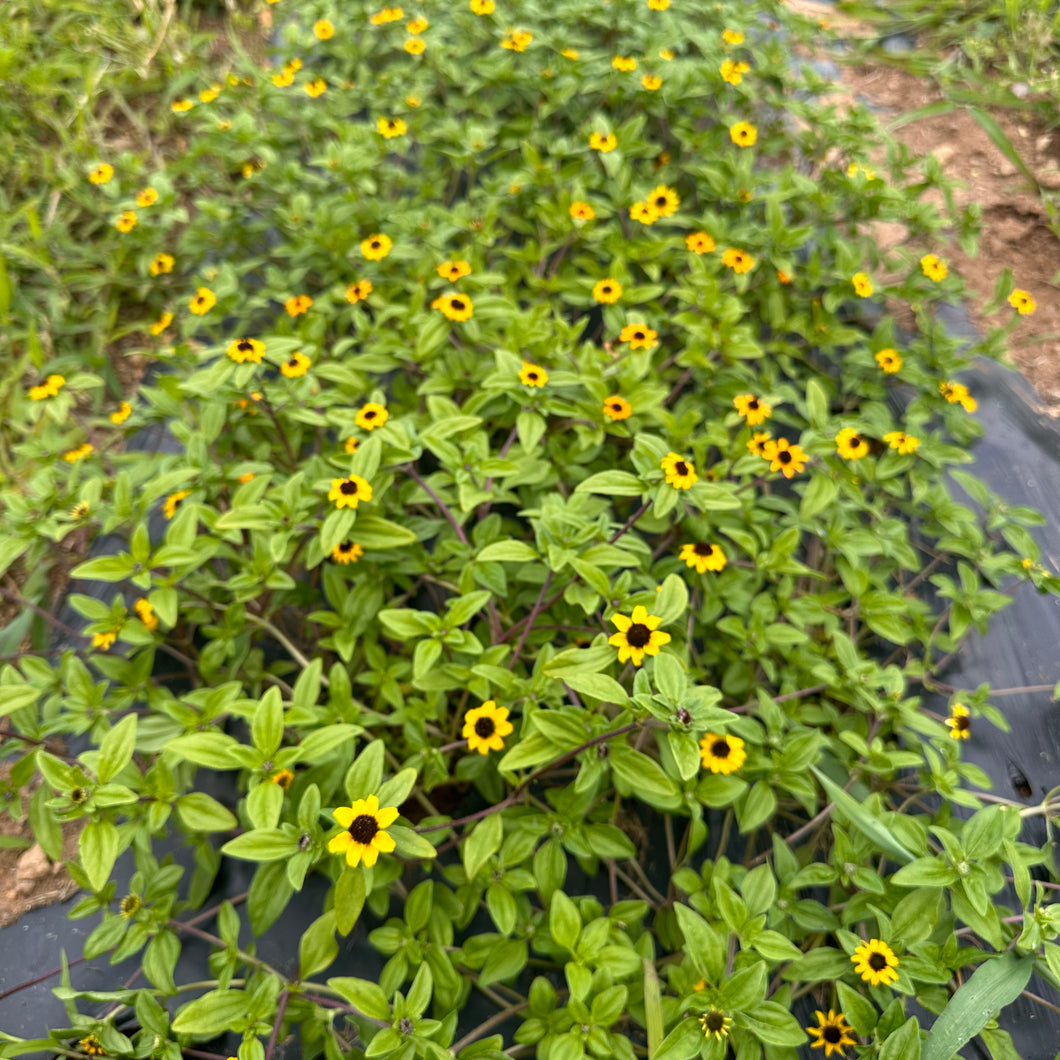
456,636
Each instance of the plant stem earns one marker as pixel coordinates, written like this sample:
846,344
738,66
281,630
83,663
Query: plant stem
281,1009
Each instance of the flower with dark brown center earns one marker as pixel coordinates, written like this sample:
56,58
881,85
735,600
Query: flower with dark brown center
485,727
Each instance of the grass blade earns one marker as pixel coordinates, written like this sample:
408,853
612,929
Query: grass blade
1002,143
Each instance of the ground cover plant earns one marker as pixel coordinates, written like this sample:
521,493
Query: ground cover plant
557,542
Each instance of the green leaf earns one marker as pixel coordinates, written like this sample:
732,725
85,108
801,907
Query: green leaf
410,844
580,660
116,748
99,846
507,552
682,1042
349,898
862,819
671,602
365,996
324,743
396,790
318,947
468,605
210,749
773,1024
1001,141
104,569
859,1010
904,1043
925,872
612,484
483,842
995,984
704,946
653,1016
199,812
214,1012
266,728
597,686
15,697
375,532
819,496
262,844
816,403
644,776
669,676
564,921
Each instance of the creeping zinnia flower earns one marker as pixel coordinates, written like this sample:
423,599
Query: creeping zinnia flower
875,962
699,243
161,323
702,557
862,284
832,1032
626,64
517,40
102,173
571,53
733,72
934,268
889,360
376,247
582,211
282,79
366,836
732,36
82,451
715,1024
1023,302
532,375
617,408
317,87
161,264
352,444
349,492
202,301
323,29
347,552
784,457
644,212
483,7
391,127
665,200
959,722
658,5
124,411
103,641
637,636
208,95
300,303
454,306
757,441
651,82
370,416
485,727
680,473
957,393
904,443
282,778
743,134
639,336
722,753
244,349
752,408
737,260
146,614
181,106
417,25
603,143
453,270
48,389
850,445
358,291
147,197
169,506
607,291
126,221
297,366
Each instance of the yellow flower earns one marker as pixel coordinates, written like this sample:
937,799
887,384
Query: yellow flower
417,25
665,201
644,212
784,457
208,95
297,366
607,291
889,360
627,64
743,134
92,1045
413,101
282,79
854,169
639,336
783,277
123,412
651,82
702,557
862,284
483,7
415,45
370,416
732,36
658,5
387,14
617,408
1022,301
391,127
244,349
752,408
666,54
715,1024
699,243
126,221
850,445
317,87
81,510
147,197
737,260
832,1032
875,962
934,268
202,301
366,836
517,40
161,323
349,492
637,636
376,247
722,753
161,264
757,441
454,306
180,106
733,72
358,291
323,29
603,143
532,375
247,476
169,507
571,53
957,393
959,722
904,443
48,389
582,211
680,473
347,552
485,728
102,173
351,445
82,451
104,640
283,779
300,303
146,614
453,270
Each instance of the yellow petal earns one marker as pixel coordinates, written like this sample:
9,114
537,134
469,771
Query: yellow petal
344,815
353,855
370,855
504,728
651,621
640,615
383,841
618,640
387,816
659,639
340,842
622,623
371,804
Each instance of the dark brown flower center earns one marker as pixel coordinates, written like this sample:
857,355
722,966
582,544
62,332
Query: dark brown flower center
376,244
457,304
961,723
752,405
346,546
532,376
661,200
638,334
364,828
638,635
784,456
877,962
606,289
832,1034
245,346
369,414
348,488
293,362
681,467
616,406
714,1022
78,795
485,728
701,549
720,748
